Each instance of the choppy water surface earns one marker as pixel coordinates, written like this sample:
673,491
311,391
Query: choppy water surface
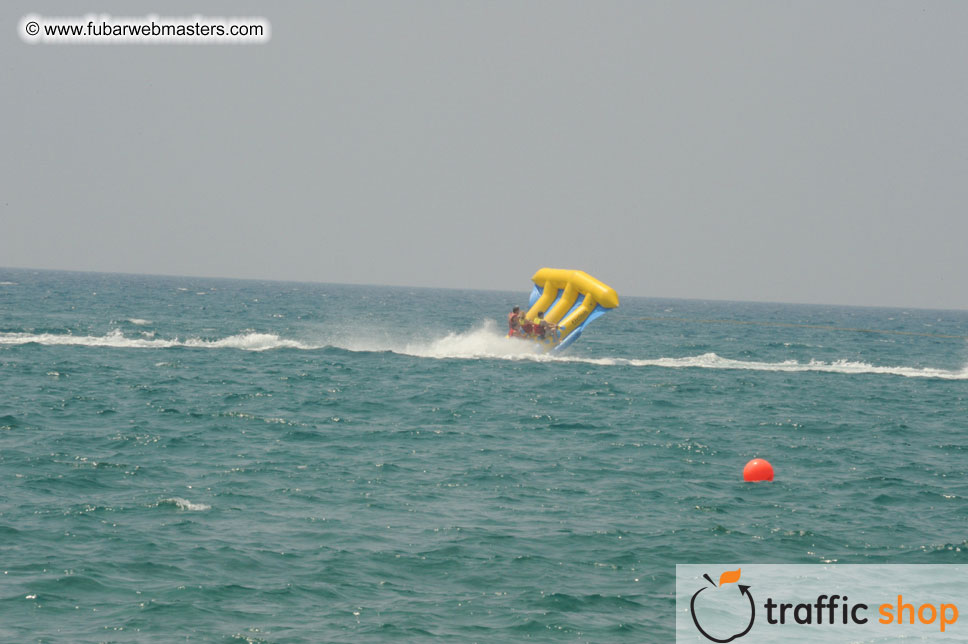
218,460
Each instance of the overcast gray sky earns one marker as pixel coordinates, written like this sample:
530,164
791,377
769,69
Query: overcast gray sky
779,151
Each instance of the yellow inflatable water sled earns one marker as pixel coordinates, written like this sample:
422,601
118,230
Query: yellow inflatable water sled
570,300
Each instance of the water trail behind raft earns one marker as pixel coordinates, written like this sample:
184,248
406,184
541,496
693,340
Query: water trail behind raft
485,341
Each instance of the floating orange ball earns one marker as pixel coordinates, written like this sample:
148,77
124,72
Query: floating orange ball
758,470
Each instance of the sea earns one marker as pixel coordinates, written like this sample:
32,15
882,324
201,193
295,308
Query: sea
211,460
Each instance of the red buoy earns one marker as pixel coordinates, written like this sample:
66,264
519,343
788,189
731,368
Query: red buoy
758,470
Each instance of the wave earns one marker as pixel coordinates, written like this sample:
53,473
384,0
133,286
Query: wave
185,504
477,344
252,342
713,361
484,342
116,339
487,342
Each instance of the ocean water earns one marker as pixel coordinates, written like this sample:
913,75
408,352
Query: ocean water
208,460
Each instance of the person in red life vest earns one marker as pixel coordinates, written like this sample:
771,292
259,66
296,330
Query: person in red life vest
540,326
514,322
527,328
544,329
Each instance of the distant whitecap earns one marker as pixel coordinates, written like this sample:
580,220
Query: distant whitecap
185,504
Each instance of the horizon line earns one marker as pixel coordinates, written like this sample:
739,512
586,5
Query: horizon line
454,288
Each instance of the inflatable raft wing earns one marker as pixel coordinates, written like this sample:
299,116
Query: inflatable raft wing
569,299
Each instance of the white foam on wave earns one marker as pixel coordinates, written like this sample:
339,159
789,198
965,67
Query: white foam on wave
185,504
484,342
139,321
114,338
247,341
251,342
713,361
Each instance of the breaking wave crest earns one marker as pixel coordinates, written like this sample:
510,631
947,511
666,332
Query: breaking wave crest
713,361
484,342
185,504
117,339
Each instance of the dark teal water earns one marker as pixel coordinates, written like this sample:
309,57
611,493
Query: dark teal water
216,461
